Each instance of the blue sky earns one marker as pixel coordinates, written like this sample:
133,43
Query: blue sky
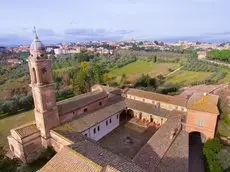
78,20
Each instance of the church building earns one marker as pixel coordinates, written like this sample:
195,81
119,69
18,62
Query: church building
80,128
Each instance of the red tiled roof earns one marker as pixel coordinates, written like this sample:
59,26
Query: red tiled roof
175,100
26,130
205,103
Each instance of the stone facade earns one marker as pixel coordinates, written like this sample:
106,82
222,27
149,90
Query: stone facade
26,145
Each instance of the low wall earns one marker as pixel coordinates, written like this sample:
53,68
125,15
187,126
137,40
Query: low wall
58,141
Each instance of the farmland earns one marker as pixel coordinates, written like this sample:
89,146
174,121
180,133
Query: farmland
185,78
135,69
13,121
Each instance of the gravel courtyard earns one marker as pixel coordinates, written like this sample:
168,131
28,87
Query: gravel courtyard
127,139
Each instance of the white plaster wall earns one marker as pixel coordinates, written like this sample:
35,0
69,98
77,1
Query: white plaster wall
104,129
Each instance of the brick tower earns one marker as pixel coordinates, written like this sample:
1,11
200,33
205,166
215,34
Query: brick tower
46,113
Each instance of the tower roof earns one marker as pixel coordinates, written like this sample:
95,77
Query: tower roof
36,45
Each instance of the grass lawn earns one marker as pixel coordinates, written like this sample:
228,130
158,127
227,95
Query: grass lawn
13,121
223,128
135,69
227,77
185,78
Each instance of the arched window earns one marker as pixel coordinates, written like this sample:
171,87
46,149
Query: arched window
34,74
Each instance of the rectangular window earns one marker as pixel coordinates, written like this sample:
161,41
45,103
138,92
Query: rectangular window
94,130
200,123
98,128
100,103
85,110
117,116
110,120
106,123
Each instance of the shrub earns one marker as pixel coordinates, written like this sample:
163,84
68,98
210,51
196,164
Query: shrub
223,55
199,66
10,107
64,94
26,102
6,164
146,81
224,158
168,88
210,150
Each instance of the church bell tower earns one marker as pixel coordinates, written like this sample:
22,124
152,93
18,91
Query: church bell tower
43,88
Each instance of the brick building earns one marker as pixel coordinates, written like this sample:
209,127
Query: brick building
74,127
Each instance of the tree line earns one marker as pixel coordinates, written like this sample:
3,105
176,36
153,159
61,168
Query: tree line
216,157
25,102
222,55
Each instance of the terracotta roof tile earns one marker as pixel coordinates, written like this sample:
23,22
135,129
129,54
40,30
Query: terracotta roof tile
104,157
27,130
175,100
68,160
205,103
152,109
92,118
73,103
153,151
176,158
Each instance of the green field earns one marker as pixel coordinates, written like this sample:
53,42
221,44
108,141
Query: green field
135,69
227,77
185,78
13,121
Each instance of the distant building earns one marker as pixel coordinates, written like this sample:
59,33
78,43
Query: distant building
74,127
3,49
201,54
14,61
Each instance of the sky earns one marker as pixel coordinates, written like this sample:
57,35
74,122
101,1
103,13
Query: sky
84,20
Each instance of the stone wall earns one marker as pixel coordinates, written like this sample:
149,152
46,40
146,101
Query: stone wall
16,148
27,149
33,149
58,141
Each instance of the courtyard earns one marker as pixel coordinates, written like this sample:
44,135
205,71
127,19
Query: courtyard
127,139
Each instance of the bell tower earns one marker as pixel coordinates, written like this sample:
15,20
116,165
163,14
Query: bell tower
46,113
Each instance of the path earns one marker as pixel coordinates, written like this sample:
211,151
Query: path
173,71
